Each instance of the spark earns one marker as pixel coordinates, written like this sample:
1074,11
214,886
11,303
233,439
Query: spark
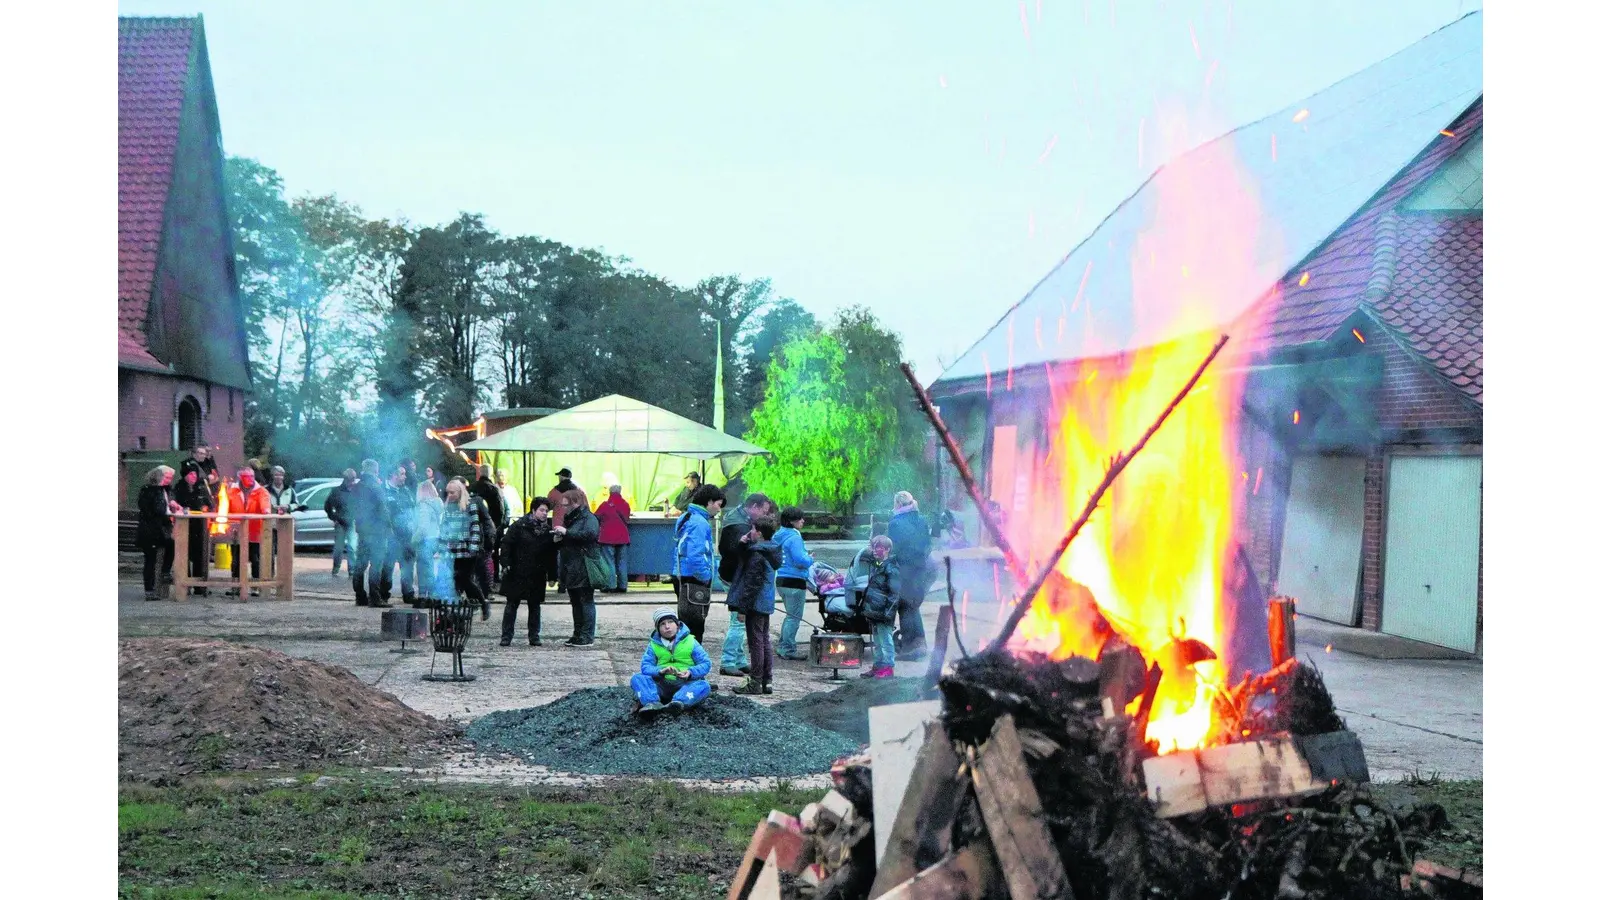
1048,147
1195,42
1022,10
942,82
1297,417
1328,649
1302,115
1211,71
1357,333
1257,489
1082,283
1093,373
1244,476
1274,147
1305,278
1447,132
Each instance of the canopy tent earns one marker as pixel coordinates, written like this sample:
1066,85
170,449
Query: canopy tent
612,440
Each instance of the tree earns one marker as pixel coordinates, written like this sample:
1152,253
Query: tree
734,301
781,321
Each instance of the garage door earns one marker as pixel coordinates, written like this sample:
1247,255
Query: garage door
1321,560
1430,553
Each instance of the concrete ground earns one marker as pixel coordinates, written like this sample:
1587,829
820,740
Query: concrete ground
1413,715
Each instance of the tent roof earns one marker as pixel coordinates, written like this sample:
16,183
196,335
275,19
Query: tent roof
618,424
1310,181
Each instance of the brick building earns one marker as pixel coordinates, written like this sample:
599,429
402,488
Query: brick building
182,364
1361,420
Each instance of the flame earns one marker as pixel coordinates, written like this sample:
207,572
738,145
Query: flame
1305,278
1149,565
1302,115
1357,333
220,524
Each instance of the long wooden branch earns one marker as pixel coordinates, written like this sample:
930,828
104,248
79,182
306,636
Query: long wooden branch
1118,463
1013,562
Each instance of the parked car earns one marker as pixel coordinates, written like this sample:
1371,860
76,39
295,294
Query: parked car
312,527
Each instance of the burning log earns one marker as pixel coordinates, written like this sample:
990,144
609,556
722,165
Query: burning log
1280,629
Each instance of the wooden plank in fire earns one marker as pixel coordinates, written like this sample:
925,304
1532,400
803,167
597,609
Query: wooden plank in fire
1014,817
964,875
1191,780
923,824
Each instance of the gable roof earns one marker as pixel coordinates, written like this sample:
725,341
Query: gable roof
153,58
618,424
1310,181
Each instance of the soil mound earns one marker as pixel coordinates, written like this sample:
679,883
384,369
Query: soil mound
594,731
844,708
188,705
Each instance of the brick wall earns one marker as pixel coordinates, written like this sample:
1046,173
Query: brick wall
147,405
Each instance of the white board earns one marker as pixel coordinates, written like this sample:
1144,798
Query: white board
897,732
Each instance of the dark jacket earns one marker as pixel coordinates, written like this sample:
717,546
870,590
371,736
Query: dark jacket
583,532
155,517
882,595
203,469
339,502
489,493
730,546
369,507
401,506
912,544
194,499
752,589
613,515
528,556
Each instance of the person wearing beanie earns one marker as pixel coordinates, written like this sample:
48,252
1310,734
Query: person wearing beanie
674,666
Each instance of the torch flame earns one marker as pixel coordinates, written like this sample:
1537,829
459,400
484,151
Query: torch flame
220,526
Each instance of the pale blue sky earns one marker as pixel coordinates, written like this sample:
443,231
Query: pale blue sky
885,153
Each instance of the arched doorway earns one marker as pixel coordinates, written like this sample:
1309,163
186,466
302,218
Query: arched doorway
188,424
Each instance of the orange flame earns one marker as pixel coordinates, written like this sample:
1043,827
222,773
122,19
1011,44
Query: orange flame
1149,565
1357,333
220,525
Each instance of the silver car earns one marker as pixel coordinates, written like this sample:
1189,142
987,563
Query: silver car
312,527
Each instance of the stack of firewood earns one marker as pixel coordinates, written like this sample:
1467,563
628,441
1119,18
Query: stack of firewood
1034,782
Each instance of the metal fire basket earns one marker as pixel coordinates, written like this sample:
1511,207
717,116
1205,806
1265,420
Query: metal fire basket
837,651
404,625
449,625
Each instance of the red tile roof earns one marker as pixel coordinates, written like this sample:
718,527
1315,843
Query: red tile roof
152,70
1420,274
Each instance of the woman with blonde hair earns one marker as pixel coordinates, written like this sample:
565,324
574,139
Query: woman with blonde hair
156,507
461,542
913,544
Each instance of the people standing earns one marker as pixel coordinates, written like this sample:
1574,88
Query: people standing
488,495
613,515
509,497
529,555
564,483
751,595
577,534
193,494
791,580
430,509
461,541
202,463
691,483
875,571
154,536
733,545
249,498
338,508
692,558
369,515
913,544
281,493
400,500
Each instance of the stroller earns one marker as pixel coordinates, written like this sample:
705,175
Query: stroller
841,611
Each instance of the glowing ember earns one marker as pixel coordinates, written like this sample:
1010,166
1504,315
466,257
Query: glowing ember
1305,278
1447,132
1149,564
1297,417
1357,333
1302,115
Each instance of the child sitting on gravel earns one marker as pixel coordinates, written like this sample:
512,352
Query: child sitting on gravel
674,666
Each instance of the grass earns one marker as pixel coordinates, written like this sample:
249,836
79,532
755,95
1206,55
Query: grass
373,836
1461,844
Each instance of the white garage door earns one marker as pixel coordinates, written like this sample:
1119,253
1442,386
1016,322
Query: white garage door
1430,553
1321,561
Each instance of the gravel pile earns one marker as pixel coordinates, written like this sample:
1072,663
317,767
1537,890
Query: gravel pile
844,709
593,731
189,705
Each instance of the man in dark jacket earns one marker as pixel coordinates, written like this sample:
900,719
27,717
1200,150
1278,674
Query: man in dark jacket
912,544
489,495
369,514
529,555
400,505
733,545
338,507
202,463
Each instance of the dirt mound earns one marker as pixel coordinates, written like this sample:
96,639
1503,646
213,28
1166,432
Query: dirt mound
188,705
844,709
594,731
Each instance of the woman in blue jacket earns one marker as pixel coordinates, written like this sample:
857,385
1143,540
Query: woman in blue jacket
792,579
691,562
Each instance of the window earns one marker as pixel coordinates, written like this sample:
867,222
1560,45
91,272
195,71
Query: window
316,497
188,432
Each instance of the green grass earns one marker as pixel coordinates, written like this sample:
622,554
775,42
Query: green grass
374,836
1459,845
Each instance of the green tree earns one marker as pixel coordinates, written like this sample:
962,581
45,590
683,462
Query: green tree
783,320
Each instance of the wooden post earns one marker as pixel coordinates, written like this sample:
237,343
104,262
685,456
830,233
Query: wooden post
1280,629
241,558
283,568
1014,818
180,557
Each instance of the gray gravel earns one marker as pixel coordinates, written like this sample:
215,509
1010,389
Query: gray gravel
594,731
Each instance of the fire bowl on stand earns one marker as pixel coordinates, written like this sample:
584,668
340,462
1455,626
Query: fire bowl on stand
449,624
404,625
837,651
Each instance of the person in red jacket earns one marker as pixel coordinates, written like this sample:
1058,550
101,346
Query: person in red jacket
613,515
246,496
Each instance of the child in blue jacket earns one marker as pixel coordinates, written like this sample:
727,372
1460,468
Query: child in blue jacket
792,574
674,666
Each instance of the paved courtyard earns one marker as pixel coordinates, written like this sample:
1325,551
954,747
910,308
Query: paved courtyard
1413,715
